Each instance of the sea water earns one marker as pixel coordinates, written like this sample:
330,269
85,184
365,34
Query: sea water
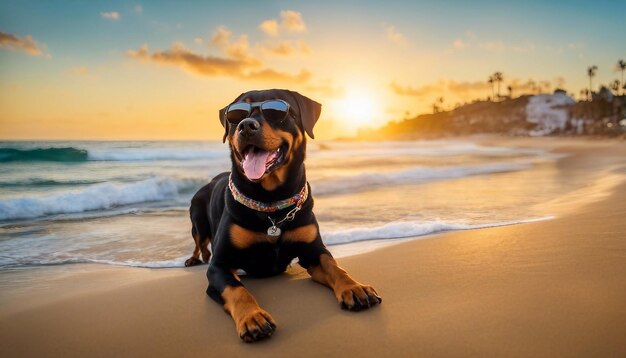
126,203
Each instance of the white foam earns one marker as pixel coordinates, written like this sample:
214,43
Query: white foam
179,262
405,229
416,148
413,175
139,154
100,196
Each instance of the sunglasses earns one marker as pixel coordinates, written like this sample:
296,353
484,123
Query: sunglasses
273,110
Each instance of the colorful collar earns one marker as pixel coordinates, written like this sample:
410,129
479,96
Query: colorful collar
299,199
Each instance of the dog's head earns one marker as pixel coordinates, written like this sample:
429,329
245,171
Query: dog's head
266,132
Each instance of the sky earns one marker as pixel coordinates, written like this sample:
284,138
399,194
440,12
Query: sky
133,70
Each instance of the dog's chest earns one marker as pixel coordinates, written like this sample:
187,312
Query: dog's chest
265,259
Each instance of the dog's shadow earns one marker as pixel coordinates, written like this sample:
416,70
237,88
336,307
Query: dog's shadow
302,309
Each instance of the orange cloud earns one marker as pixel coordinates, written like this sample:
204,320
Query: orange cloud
195,63
80,71
285,48
327,89
15,43
111,15
396,37
237,65
269,27
292,21
269,75
459,44
460,89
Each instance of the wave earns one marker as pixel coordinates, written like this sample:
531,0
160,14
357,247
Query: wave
138,154
66,154
432,148
351,183
36,182
405,229
110,195
179,262
73,154
389,232
102,196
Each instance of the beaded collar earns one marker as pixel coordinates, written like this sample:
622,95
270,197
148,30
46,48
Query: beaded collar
298,199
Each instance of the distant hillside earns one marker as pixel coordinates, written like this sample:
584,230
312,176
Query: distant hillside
547,114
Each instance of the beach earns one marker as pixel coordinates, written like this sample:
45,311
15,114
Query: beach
552,287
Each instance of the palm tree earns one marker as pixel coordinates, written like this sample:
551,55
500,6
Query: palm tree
615,86
583,94
491,80
510,89
497,77
591,72
621,65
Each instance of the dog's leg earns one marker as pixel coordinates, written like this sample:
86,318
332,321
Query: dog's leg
351,295
251,321
195,256
204,248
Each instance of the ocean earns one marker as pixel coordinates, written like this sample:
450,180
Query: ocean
126,203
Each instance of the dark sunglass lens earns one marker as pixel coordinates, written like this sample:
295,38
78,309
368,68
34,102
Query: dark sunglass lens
237,112
274,110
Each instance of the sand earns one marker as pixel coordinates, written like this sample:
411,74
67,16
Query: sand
549,288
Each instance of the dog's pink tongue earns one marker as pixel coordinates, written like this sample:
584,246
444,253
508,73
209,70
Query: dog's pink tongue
254,163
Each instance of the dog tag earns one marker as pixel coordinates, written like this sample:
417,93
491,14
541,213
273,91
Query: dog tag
273,231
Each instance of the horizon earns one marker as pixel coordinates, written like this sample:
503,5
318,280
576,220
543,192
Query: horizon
128,70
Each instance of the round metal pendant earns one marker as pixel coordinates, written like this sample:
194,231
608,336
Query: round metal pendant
273,231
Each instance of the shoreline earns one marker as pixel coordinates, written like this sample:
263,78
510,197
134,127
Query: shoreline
546,288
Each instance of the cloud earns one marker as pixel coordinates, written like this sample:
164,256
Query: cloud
326,88
285,48
111,15
493,46
25,44
235,49
291,21
459,44
269,27
576,45
441,87
234,65
80,71
471,40
178,56
138,9
272,75
396,37
221,36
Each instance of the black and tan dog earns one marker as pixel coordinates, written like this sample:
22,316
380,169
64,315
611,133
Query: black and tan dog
259,217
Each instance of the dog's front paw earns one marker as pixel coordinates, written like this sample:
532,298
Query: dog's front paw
255,325
357,297
192,261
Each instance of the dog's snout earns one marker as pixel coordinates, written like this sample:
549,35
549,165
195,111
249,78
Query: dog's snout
249,127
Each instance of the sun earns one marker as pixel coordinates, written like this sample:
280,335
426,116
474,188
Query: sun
358,108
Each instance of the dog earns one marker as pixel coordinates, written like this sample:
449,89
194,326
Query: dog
259,216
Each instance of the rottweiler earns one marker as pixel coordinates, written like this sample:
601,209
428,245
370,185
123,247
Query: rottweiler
259,216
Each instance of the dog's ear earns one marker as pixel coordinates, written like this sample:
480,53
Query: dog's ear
309,112
224,122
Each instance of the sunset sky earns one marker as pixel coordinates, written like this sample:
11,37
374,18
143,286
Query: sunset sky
161,70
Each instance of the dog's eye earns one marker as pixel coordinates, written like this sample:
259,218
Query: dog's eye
236,116
237,112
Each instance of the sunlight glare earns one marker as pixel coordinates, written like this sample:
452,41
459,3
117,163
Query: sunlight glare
358,108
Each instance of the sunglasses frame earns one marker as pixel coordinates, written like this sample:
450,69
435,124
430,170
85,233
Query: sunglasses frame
252,105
